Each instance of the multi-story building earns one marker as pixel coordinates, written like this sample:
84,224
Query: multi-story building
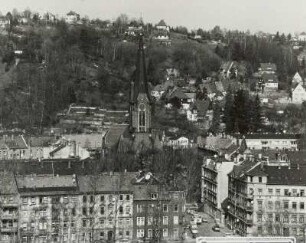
9,213
157,213
267,199
271,141
214,185
86,208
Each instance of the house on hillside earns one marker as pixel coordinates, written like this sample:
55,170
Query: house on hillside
270,81
177,97
162,26
72,17
4,21
228,69
179,142
267,68
302,36
298,93
297,78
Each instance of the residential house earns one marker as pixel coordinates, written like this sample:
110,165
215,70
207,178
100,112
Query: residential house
270,82
160,89
72,17
269,141
180,142
229,69
177,97
13,146
91,142
302,37
298,93
172,73
297,78
4,21
162,26
267,68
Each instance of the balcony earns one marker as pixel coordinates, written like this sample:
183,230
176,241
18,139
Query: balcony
249,222
10,205
9,216
9,229
249,208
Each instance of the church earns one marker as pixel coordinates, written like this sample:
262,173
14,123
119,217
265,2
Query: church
140,136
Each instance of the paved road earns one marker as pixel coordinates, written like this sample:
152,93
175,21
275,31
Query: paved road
205,229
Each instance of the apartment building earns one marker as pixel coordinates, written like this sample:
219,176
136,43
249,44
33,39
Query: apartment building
157,213
214,185
84,208
267,199
271,141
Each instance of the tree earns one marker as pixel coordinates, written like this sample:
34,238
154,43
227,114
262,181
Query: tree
215,127
240,112
229,112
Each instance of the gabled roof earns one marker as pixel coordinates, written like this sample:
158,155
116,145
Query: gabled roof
269,78
8,183
202,106
14,142
176,93
28,183
268,67
41,141
161,23
89,141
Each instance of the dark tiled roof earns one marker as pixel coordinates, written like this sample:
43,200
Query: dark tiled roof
271,136
269,78
268,67
285,175
202,106
43,141
297,157
8,183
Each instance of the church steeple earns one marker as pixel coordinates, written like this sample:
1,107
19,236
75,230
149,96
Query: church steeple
140,86
140,104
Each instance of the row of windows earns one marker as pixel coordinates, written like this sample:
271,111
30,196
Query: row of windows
279,231
141,220
277,204
103,198
150,232
90,210
140,208
270,217
286,192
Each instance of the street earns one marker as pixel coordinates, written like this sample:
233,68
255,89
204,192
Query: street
205,229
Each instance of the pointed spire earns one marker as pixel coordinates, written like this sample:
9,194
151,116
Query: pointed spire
141,84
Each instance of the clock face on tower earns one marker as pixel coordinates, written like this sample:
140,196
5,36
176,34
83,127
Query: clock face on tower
142,107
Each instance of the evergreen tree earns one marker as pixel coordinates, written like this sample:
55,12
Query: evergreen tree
215,127
241,111
228,111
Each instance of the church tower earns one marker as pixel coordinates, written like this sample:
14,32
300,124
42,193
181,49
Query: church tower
140,103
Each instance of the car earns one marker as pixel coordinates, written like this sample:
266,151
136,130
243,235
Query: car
216,228
197,218
194,230
204,220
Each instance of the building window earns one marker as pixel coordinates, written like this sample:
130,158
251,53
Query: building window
259,202
154,195
259,217
84,223
175,220
302,193
150,220
294,231
175,208
259,230
270,216
142,118
277,217
259,191
140,233
301,218
293,205
270,191
277,192
120,210
102,211
165,208
165,220
127,197
165,232
175,232
127,210
270,205
277,204
286,218
293,218
127,233
102,222
91,210
24,200
139,208
302,205
92,199
286,204
120,197
102,199
84,211
140,221
286,192
84,199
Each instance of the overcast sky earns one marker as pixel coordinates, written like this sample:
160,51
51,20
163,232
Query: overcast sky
266,15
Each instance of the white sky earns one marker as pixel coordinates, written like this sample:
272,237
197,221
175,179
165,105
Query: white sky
266,15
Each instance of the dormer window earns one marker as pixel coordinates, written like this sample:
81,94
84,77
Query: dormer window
154,195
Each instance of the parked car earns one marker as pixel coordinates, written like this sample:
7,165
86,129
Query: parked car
194,230
197,218
216,228
204,220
